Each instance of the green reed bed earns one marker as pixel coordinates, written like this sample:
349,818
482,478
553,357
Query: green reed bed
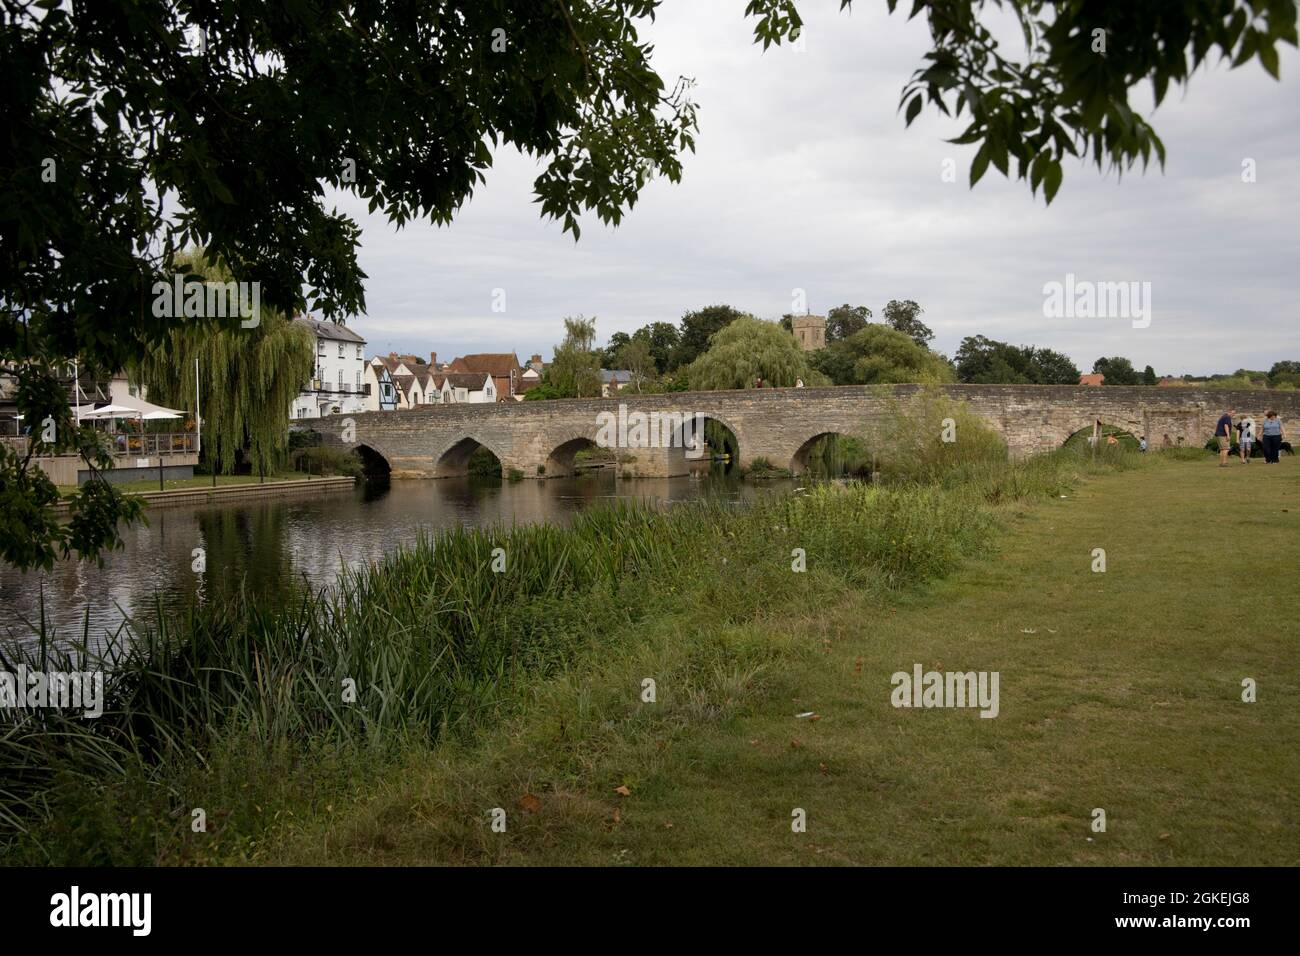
438,637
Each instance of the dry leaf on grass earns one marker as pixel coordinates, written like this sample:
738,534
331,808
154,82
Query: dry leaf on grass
623,790
530,803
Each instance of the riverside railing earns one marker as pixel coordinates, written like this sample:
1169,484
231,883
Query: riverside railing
122,445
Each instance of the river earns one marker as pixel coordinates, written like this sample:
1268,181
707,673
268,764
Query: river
272,546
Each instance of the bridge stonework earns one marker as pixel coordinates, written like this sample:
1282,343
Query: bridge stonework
539,439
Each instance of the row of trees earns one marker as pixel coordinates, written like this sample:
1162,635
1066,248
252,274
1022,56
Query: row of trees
722,347
1120,371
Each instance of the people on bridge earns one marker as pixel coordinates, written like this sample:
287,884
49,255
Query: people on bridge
1223,432
1272,437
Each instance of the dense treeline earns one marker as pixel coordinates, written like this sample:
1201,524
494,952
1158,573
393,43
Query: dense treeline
720,347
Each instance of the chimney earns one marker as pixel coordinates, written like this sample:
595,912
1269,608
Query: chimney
393,356
433,359
535,360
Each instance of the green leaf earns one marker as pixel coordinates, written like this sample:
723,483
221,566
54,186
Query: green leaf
913,108
1051,181
979,165
1268,58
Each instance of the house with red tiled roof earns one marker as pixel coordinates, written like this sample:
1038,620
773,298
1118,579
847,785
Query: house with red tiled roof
504,368
1092,378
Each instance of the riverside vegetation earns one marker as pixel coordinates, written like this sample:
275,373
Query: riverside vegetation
244,712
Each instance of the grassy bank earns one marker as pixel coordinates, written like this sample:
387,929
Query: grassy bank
1120,690
246,714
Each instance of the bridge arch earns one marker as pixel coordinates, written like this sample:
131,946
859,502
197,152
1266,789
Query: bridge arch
697,441
1123,434
374,463
559,462
837,453
453,460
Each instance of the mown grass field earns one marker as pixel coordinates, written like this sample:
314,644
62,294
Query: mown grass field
1118,690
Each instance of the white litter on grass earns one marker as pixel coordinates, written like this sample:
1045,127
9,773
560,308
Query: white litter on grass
1029,630
811,713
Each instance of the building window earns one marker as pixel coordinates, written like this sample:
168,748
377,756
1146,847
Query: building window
342,354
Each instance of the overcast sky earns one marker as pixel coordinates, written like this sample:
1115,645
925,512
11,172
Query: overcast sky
805,178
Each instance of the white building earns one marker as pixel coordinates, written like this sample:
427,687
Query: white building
338,386
473,388
382,395
399,382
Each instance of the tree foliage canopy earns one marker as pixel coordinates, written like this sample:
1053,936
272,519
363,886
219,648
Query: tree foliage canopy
698,328
877,355
986,361
574,371
844,320
905,316
745,350
249,379
1118,371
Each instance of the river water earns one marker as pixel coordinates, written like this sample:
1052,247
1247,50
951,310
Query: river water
273,546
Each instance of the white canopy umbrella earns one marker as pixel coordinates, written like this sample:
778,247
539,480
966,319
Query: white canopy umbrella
141,409
113,411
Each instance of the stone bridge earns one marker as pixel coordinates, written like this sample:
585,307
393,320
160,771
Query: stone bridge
540,439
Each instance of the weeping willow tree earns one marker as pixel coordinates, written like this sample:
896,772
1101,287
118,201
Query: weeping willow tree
248,379
746,350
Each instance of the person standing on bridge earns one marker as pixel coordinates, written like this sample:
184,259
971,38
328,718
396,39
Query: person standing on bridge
1223,432
1272,437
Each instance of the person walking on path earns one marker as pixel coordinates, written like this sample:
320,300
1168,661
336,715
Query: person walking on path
1246,437
1272,437
1223,432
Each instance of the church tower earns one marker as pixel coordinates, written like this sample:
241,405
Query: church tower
809,331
